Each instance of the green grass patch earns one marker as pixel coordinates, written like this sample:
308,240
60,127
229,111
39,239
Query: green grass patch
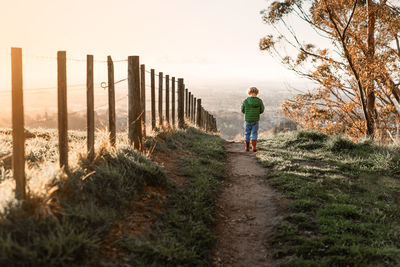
183,236
344,208
66,228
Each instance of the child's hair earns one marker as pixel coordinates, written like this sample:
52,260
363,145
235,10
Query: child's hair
252,90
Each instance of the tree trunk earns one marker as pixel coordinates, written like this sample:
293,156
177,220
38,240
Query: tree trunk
371,111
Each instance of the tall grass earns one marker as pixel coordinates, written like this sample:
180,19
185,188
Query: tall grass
42,166
65,216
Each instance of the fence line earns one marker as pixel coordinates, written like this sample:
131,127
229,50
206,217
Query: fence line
71,59
75,112
188,108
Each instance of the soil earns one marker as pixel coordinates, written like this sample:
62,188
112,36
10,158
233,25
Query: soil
247,211
143,214
137,220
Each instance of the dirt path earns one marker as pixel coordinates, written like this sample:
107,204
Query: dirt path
247,210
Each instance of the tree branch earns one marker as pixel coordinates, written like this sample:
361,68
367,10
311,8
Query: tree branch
351,17
397,44
349,59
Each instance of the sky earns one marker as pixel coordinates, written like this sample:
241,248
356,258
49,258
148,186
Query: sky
213,44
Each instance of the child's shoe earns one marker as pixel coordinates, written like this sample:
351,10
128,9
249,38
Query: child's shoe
254,145
247,146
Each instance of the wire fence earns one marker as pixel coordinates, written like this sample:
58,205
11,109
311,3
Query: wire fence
177,106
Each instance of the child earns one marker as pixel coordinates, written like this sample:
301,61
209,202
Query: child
252,107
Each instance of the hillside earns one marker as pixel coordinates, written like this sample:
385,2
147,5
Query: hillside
124,208
193,199
343,200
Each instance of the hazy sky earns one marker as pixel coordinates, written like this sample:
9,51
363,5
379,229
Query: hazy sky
213,44
198,40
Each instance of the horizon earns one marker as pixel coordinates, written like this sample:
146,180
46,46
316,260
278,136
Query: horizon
203,42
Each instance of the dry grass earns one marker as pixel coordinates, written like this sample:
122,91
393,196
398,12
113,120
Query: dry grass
42,166
66,215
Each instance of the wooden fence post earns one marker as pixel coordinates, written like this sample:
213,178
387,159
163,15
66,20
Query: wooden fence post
160,99
167,99
173,102
181,112
153,100
62,108
186,102
134,110
203,118
194,109
192,100
111,102
210,122
143,97
207,121
18,134
207,116
199,113
190,107
90,107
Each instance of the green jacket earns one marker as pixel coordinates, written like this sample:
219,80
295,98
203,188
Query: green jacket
252,107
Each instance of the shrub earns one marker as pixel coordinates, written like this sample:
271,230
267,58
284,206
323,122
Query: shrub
312,136
338,144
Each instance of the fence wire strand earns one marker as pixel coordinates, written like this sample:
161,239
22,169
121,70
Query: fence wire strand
103,85
76,112
69,59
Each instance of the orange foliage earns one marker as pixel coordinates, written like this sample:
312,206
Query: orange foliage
348,73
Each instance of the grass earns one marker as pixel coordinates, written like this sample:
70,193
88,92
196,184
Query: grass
344,200
64,227
42,159
183,236
66,217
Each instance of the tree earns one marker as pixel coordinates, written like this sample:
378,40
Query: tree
358,74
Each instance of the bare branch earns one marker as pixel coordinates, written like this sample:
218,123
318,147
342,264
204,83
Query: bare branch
351,17
349,59
397,44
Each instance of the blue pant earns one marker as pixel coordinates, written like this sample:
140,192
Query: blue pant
251,129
